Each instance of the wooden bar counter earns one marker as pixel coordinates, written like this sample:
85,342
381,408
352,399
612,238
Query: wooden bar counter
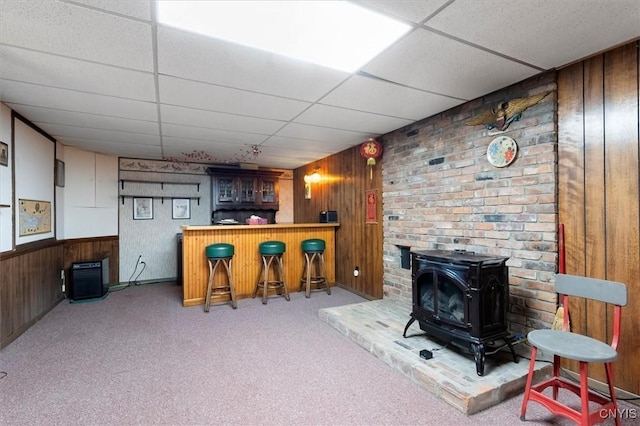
246,260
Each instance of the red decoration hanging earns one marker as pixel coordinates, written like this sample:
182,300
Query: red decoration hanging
371,149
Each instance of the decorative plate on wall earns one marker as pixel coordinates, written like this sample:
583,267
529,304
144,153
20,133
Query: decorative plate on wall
502,151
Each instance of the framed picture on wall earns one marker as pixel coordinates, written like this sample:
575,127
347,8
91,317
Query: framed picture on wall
143,208
181,208
4,154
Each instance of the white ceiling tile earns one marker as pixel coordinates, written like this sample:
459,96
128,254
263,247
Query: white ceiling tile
65,73
140,9
85,69
216,120
193,94
411,10
80,119
115,148
294,144
348,119
323,134
78,32
87,133
216,151
545,33
382,97
47,97
207,134
286,159
195,57
431,62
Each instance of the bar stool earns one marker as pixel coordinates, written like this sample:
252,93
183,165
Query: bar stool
271,253
314,271
217,254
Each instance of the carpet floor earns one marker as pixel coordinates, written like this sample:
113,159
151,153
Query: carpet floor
139,357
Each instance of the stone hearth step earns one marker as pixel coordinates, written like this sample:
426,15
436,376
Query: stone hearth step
450,374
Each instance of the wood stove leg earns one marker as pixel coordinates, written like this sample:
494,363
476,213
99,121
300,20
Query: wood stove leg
411,321
479,356
513,352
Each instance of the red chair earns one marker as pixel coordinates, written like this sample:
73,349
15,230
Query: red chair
577,347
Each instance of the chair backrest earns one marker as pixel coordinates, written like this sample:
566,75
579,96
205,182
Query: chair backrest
595,289
592,288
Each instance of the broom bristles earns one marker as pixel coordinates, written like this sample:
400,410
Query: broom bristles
559,319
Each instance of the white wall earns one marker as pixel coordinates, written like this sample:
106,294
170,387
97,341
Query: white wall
90,195
34,159
87,205
6,194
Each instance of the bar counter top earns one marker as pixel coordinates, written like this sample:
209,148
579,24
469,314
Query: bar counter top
272,225
246,260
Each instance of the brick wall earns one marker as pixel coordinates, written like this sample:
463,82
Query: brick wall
440,192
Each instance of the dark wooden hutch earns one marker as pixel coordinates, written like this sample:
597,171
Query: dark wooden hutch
237,194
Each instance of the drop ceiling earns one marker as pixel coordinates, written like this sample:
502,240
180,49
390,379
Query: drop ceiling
102,75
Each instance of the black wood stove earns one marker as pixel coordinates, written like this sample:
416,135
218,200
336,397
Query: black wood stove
461,298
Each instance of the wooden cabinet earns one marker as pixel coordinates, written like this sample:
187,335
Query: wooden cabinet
235,192
269,189
239,193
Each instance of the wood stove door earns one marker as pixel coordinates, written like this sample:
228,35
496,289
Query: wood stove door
488,311
442,295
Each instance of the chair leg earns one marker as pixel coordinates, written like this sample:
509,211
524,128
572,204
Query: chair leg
260,274
265,281
584,394
609,370
281,278
207,295
527,388
308,265
556,373
232,290
323,273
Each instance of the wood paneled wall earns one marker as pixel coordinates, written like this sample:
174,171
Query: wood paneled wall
89,249
30,284
599,196
345,180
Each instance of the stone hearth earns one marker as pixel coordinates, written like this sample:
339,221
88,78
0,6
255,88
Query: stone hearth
377,326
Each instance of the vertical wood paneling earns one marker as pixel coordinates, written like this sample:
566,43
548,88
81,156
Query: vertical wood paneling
89,249
246,261
622,195
599,198
29,287
594,202
346,177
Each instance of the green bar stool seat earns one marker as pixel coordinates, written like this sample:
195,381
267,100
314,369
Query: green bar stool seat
314,271
220,253
271,256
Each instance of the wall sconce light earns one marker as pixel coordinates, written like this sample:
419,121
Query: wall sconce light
308,180
313,177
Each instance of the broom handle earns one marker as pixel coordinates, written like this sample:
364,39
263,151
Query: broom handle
561,266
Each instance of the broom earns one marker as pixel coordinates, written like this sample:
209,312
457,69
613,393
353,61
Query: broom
558,320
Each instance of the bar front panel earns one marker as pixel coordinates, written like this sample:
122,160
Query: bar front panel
246,260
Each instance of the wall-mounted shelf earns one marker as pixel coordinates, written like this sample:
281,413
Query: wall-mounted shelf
161,197
162,183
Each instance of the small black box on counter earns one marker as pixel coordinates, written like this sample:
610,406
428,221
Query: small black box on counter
328,216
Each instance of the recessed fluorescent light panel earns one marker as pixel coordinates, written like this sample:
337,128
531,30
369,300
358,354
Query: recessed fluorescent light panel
335,34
